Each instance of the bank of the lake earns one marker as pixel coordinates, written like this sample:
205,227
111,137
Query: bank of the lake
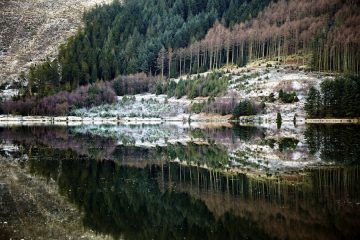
333,121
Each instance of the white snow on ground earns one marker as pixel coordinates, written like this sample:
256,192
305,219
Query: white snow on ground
296,85
139,106
252,82
259,82
7,94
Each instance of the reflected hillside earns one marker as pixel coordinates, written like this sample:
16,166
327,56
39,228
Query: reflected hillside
132,203
127,202
216,184
319,204
235,149
54,137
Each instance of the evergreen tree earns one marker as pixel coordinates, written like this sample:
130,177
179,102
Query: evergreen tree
311,105
278,120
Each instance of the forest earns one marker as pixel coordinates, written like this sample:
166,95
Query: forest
176,37
128,38
321,34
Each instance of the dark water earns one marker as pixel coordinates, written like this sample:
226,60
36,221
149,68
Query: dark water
138,182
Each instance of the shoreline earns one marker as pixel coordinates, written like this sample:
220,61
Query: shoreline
199,118
75,120
333,121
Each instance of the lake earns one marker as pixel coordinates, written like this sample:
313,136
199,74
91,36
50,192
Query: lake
175,181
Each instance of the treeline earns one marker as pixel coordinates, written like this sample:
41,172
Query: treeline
326,34
336,98
62,102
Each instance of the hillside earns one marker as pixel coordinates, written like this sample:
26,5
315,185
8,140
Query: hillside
255,82
172,38
239,58
33,30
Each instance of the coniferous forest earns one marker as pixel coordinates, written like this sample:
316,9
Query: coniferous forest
172,38
336,98
121,39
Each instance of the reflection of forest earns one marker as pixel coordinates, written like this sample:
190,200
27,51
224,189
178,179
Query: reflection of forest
127,202
321,204
219,148
102,148
335,142
175,201
60,138
143,189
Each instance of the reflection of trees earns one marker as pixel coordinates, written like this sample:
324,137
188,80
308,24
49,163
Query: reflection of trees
169,200
61,138
101,148
229,137
318,205
244,133
210,155
334,142
287,144
127,202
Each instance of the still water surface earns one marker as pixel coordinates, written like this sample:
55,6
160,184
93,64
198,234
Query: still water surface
171,182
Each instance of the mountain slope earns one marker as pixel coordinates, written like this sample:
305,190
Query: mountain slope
33,30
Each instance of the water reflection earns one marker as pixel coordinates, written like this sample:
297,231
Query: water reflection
186,188
335,142
258,149
174,201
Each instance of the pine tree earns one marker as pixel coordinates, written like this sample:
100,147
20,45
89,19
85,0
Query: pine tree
278,120
311,105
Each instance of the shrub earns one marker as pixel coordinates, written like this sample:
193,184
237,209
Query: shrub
136,83
197,107
244,108
287,144
278,120
212,85
62,102
286,97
